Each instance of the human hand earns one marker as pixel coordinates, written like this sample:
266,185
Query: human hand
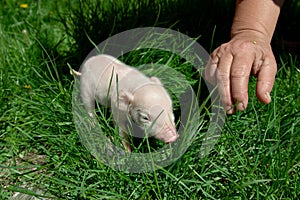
230,67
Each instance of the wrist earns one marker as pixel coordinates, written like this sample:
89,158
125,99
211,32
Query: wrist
251,34
255,18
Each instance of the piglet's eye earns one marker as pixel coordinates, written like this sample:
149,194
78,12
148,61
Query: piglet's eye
144,117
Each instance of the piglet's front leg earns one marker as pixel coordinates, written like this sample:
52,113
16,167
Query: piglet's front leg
125,141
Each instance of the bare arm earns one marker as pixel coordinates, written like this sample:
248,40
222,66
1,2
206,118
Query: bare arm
258,16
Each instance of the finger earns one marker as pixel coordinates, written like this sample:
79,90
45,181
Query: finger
265,79
240,72
210,69
223,80
256,66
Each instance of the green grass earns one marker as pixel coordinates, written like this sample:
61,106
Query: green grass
256,157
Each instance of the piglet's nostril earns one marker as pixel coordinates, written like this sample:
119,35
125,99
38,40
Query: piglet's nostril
172,139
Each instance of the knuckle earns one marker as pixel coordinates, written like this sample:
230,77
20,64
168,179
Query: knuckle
245,46
240,72
222,72
222,76
213,54
225,47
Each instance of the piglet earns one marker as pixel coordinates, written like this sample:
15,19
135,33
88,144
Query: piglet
134,98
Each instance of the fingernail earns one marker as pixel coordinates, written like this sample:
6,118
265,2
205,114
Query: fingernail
229,109
268,97
241,106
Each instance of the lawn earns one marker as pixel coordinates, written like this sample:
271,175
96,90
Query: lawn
41,154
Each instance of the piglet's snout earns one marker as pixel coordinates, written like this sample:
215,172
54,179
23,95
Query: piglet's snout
172,136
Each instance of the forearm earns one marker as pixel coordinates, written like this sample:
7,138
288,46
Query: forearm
258,17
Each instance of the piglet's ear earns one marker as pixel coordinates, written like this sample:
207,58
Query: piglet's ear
155,80
125,98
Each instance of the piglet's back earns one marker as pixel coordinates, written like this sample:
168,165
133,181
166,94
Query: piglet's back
101,73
